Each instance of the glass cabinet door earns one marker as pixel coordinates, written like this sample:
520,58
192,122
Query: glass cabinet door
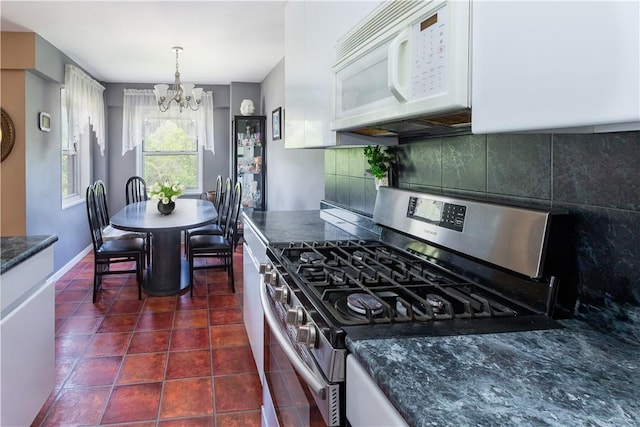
249,164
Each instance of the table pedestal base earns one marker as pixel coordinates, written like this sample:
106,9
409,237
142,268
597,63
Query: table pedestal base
150,287
168,273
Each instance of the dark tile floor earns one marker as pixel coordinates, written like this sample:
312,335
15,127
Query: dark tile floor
159,361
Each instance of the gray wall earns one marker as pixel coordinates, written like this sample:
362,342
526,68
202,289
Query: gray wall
295,177
44,214
595,177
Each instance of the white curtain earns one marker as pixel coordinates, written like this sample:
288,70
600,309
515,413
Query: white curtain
140,104
85,105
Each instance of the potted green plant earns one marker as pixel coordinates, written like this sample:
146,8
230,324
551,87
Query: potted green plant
166,193
379,163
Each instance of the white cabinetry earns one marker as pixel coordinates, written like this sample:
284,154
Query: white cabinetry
254,253
312,29
27,330
367,406
555,65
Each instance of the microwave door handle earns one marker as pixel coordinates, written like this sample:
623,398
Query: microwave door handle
317,385
400,92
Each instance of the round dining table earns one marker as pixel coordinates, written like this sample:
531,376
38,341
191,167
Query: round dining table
168,272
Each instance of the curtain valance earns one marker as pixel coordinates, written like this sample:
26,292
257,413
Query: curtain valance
85,105
140,105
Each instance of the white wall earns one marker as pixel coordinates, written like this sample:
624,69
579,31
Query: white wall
295,177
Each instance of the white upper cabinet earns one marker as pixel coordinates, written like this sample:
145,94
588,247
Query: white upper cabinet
555,66
312,29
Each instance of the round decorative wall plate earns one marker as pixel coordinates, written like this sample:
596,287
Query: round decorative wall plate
7,135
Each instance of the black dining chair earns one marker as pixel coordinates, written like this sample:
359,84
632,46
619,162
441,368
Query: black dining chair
136,190
106,253
218,246
217,199
221,203
109,233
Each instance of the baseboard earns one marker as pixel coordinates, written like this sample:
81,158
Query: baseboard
68,266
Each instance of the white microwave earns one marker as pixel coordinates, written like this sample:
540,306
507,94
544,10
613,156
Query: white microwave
405,69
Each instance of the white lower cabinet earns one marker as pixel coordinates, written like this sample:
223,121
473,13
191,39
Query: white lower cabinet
27,331
254,253
367,406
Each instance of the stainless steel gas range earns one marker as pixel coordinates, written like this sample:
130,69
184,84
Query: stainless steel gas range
443,266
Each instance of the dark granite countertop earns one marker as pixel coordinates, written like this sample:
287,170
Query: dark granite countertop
311,225
16,249
576,376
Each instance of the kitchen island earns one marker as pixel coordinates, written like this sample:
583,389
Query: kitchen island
578,375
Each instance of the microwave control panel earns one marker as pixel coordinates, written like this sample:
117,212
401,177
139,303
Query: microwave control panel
429,55
446,215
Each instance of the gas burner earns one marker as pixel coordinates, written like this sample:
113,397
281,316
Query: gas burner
358,255
337,274
310,258
362,303
437,303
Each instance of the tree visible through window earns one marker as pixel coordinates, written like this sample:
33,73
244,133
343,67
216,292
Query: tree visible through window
170,152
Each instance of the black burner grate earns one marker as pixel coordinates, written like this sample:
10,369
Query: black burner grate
405,288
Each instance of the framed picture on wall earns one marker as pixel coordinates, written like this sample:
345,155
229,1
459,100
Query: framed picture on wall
276,123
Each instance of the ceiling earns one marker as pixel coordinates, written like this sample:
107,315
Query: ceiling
131,41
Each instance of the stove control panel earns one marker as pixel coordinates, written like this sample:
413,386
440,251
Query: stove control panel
442,214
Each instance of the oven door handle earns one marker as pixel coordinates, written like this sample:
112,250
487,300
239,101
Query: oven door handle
317,385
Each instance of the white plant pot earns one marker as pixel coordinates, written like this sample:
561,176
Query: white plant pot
382,181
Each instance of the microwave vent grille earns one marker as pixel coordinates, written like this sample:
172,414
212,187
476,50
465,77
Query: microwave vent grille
387,16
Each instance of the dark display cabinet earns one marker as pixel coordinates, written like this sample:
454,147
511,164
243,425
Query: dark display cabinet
249,164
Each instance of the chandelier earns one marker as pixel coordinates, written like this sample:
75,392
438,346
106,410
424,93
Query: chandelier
185,95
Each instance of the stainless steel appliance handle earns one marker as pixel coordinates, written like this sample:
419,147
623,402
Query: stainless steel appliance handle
317,385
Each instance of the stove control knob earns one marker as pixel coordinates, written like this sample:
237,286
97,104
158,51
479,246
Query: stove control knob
281,294
295,316
271,278
307,335
265,268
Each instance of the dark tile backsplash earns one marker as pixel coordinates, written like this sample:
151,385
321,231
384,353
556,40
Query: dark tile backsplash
595,177
464,163
600,169
520,165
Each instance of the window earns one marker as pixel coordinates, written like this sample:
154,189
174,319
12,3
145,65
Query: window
82,121
70,165
170,151
75,156
169,145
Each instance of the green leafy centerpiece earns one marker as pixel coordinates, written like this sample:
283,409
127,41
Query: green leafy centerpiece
166,193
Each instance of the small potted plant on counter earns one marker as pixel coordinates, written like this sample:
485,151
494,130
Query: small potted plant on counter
379,164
